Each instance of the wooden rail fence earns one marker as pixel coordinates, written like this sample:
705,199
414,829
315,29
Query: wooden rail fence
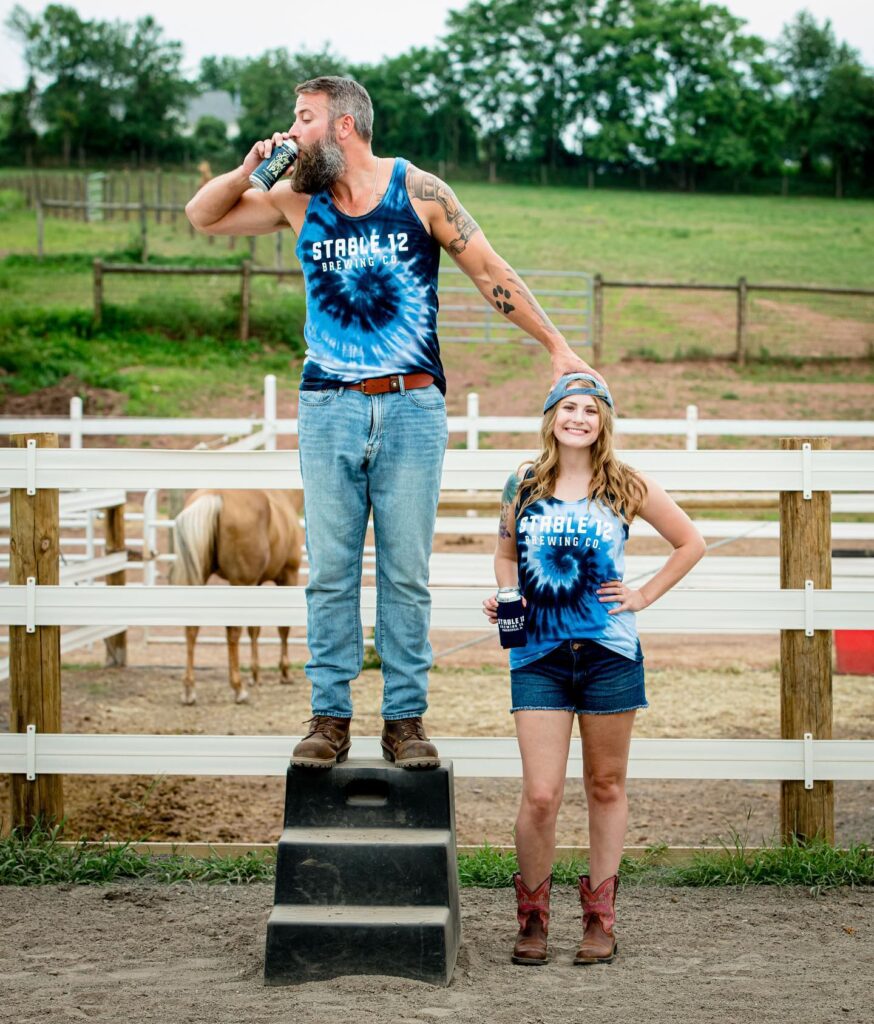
594,317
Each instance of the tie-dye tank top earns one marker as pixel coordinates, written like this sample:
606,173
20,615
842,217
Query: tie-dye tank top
566,550
371,285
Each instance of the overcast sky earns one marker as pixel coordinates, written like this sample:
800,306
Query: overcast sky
367,30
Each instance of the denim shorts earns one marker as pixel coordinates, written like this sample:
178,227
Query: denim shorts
581,676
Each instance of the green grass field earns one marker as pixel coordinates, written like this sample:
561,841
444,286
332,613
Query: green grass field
166,340
671,237
638,235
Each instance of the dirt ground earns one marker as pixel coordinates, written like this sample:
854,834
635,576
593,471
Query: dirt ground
195,954
698,686
511,381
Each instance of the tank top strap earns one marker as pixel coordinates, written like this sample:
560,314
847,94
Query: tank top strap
397,182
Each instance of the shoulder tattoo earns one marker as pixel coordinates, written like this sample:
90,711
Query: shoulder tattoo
507,499
430,189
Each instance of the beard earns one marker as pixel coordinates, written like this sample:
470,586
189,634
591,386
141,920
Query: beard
318,166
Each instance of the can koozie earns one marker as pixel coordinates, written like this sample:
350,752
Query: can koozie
511,618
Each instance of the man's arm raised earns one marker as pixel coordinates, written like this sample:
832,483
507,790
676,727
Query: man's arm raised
500,285
228,205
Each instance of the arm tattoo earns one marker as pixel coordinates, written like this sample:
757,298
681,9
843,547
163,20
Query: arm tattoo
525,292
431,189
502,297
507,500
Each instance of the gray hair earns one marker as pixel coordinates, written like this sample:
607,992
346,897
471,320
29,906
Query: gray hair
345,96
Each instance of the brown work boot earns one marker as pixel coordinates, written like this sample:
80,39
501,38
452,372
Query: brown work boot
598,944
532,912
404,742
326,744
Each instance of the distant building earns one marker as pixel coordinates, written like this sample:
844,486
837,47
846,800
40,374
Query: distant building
214,103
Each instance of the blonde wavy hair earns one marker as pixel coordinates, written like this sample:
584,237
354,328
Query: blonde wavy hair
614,484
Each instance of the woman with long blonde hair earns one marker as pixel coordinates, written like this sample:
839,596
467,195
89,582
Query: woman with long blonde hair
561,541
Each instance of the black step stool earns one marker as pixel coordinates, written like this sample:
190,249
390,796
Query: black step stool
366,875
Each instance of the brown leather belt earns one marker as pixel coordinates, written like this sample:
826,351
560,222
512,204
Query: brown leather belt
381,385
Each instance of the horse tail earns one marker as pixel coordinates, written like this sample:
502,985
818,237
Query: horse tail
196,528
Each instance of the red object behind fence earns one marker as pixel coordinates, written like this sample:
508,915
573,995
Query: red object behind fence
854,652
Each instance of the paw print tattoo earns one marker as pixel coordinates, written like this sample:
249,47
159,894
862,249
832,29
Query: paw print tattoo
501,296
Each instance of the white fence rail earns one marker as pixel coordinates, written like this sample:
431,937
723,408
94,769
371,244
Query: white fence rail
689,427
139,469
735,529
809,760
456,608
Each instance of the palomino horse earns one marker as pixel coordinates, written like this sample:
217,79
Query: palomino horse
247,538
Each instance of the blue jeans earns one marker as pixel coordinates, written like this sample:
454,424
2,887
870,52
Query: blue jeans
361,452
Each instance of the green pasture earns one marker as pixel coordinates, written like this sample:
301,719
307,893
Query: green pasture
161,371
660,236
621,234
167,342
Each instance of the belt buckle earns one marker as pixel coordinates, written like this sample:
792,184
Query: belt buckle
393,384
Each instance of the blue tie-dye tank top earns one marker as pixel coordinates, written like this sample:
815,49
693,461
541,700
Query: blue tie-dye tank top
371,285
566,550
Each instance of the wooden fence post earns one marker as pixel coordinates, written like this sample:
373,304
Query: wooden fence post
98,291
116,645
597,320
35,657
159,195
40,229
144,227
245,298
742,318
191,190
805,661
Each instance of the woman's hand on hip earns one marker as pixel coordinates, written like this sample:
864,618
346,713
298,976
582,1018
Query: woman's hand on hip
615,590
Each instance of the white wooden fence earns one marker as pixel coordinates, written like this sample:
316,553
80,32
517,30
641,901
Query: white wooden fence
736,610
253,433
139,469
807,760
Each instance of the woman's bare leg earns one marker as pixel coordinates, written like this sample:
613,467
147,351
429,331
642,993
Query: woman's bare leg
606,742
544,741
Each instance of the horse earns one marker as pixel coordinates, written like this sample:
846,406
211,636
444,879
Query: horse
246,538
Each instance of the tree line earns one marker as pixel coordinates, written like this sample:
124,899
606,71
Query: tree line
668,93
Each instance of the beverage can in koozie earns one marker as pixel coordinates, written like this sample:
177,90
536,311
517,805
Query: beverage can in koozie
511,618
269,171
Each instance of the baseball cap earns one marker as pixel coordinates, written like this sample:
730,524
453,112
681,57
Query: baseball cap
577,384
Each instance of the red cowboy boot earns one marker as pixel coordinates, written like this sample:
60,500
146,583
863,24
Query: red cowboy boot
598,944
532,912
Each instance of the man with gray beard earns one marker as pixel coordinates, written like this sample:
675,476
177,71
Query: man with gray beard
371,417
